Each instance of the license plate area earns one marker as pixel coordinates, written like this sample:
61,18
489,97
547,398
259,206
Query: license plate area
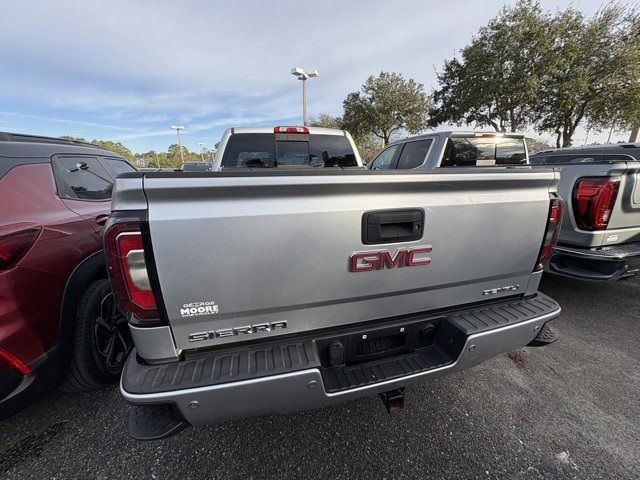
376,343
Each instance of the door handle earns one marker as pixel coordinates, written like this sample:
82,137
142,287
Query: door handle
102,219
392,226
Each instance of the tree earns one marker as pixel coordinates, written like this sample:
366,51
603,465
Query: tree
588,66
620,110
367,143
326,121
554,72
386,104
115,147
534,145
494,82
175,159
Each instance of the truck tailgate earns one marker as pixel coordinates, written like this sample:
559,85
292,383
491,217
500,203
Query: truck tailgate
235,251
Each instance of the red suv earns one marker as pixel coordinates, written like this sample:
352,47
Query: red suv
59,322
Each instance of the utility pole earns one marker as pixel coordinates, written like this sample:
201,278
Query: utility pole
302,75
177,128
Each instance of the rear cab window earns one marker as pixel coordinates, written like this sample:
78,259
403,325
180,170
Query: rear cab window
272,150
485,150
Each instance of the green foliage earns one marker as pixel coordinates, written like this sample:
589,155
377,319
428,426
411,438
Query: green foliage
552,71
620,109
534,145
494,83
115,147
368,146
169,159
588,67
385,105
326,121
367,143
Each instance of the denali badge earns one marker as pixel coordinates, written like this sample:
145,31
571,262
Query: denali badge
379,259
229,332
508,288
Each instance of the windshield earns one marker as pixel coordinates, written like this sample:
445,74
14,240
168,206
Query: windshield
270,150
196,167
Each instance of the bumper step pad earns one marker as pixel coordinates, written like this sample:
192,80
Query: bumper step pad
354,376
216,367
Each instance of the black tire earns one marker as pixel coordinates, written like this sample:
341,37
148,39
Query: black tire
102,341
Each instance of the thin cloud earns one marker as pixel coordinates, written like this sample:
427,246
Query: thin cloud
128,70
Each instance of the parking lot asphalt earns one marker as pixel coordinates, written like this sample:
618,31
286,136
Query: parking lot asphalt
570,410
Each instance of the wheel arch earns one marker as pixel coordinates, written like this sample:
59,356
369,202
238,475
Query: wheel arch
90,269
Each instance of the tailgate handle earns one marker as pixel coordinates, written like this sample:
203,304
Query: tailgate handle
392,226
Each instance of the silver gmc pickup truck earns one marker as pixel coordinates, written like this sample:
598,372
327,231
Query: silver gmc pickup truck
272,291
600,234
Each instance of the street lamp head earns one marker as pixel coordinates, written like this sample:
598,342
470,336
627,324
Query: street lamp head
298,72
313,73
177,127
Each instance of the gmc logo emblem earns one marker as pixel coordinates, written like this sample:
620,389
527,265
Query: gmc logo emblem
378,260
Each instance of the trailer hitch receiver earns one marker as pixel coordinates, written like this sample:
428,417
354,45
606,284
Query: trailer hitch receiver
393,400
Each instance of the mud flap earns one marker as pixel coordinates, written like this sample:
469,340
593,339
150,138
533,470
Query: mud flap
155,422
546,336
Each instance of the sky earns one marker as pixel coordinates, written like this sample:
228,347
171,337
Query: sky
128,70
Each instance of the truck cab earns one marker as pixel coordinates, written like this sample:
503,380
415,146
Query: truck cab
453,149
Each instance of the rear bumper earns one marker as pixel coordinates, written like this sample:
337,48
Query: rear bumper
608,263
300,381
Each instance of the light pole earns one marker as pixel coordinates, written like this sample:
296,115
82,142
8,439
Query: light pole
177,128
302,75
201,150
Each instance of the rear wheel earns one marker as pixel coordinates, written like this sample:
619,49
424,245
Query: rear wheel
102,340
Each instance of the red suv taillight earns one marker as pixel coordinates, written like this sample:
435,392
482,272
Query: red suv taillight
15,241
14,361
128,269
593,200
551,231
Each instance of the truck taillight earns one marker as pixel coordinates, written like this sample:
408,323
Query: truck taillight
551,231
593,200
127,267
15,241
290,130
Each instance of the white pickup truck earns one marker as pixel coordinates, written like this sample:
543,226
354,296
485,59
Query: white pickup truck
259,290
289,147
